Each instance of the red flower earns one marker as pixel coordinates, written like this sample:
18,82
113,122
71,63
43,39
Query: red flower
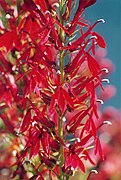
56,104
74,161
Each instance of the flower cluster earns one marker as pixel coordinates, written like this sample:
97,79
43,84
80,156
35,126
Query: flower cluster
109,135
48,80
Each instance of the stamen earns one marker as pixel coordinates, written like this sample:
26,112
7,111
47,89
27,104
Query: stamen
107,122
58,72
105,69
78,140
105,80
100,101
101,20
47,12
64,119
68,128
33,123
38,6
56,5
68,25
94,171
93,37
45,52
8,16
14,152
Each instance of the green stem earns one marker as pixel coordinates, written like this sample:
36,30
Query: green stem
62,65
62,37
60,127
62,54
61,10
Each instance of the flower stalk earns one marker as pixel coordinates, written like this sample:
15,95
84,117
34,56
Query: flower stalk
61,155
62,54
62,37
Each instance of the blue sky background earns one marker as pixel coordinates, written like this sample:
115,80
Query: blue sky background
110,11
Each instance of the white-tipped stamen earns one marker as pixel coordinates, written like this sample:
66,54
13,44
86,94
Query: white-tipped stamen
107,122
8,16
105,80
14,152
100,101
68,128
68,25
55,5
93,37
58,72
78,140
47,12
38,7
101,20
105,69
64,119
45,52
33,123
62,44
94,171
14,68
67,145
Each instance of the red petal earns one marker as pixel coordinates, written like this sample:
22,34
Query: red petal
100,40
86,3
85,139
5,62
94,130
68,99
31,6
61,141
93,65
74,161
73,125
26,121
61,101
35,148
79,162
98,148
45,142
46,122
68,161
7,96
88,157
32,84
53,101
93,46
7,123
6,40
21,158
41,4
